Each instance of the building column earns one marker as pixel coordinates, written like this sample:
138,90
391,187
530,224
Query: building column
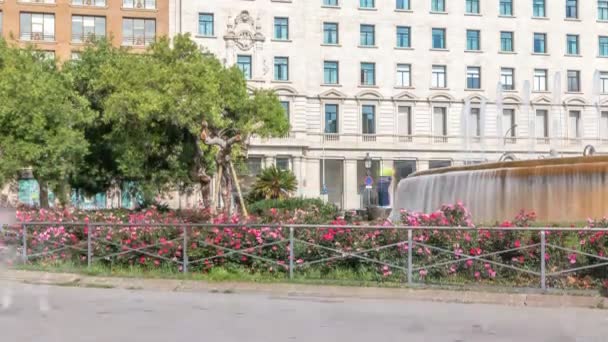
352,200
297,171
268,161
312,186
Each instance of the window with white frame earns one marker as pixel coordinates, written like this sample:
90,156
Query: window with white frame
574,81
440,127
403,4
542,123
138,31
37,26
508,122
281,68
95,3
540,80
472,6
331,118
281,28
85,28
473,77
538,8
439,77
404,121
574,121
330,33
367,3
283,163
330,2
475,122
602,10
404,75
572,9
139,4
331,72
507,78
604,82
243,62
206,24
368,74
368,116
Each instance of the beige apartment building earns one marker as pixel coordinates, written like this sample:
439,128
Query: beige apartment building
62,27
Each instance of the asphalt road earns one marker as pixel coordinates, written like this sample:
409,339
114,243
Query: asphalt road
104,315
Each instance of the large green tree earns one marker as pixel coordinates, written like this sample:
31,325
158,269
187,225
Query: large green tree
41,120
150,110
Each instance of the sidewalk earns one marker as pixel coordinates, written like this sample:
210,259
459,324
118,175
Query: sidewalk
319,291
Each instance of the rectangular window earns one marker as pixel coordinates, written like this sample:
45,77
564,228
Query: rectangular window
368,74
473,38
574,129
138,32
472,6
540,43
403,36
37,26
540,80
440,127
403,75
281,69
330,33
604,125
243,62
572,9
331,72
475,122
473,78
506,41
96,3
367,3
604,82
438,35
574,81
86,28
542,123
330,2
438,5
508,122
602,10
403,4
538,8
282,163
368,123
404,121
281,28
285,105
254,165
603,41
572,44
75,55
507,78
331,118
506,8
368,35
205,24
439,77
139,4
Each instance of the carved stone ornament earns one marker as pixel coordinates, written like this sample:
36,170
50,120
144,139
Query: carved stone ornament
243,31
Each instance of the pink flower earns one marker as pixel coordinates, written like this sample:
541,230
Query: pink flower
492,273
572,258
517,244
156,263
469,263
299,261
452,268
477,275
423,273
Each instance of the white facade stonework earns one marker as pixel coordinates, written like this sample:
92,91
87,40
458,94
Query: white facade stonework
574,118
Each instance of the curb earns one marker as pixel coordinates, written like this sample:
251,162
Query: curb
318,291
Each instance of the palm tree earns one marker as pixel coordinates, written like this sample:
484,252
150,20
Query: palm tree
274,183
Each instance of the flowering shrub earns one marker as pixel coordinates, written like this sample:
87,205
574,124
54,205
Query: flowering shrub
439,254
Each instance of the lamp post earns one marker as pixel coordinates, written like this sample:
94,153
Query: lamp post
368,170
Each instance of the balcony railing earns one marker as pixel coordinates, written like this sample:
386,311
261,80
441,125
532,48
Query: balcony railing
139,4
369,137
137,41
36,36
94,3
331,137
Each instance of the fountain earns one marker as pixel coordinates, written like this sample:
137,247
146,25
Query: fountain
557,189
499,117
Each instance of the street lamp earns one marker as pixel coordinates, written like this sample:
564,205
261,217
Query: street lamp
368,163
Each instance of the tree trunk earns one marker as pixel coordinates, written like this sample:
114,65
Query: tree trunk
44,194
227,192
238,190
216,191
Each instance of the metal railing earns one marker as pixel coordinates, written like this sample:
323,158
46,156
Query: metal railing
417,248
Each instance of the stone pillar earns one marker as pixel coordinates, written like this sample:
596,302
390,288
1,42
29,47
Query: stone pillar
312,186
352,200
297,171
268,161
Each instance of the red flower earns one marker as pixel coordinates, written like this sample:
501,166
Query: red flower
517,244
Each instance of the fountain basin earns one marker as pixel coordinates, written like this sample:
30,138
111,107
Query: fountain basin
558,190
